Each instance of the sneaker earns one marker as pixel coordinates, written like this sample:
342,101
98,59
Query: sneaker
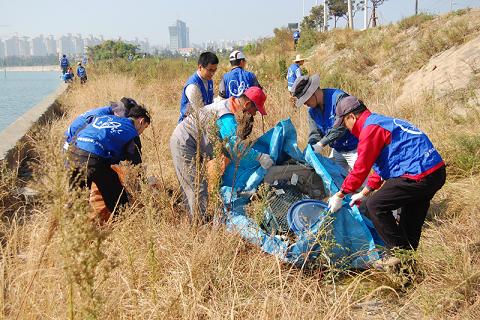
386,263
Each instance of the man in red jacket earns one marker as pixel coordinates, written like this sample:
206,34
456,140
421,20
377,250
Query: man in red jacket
407,172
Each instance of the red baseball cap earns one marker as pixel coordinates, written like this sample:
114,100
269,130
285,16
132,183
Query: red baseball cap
258,97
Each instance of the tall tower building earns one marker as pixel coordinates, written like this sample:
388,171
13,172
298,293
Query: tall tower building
179,36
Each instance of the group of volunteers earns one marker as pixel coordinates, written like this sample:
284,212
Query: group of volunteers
67,71
391,164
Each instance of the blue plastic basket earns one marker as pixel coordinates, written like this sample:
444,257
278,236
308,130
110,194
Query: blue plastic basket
305,213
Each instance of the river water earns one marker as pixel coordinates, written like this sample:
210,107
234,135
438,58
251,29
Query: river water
20,91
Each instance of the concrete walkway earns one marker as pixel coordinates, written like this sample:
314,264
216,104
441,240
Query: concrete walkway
17,130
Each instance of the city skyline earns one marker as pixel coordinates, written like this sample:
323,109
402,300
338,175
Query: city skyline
150,19
69,44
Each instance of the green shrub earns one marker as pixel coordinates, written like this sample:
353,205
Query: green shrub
308,40
467,156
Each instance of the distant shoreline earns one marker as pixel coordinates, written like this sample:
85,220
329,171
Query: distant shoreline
31,68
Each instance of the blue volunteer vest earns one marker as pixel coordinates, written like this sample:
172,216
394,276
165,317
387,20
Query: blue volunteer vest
292,74
107,137
207,96
64,62
81,72
296,35
410,151
237,81
85,118
325,120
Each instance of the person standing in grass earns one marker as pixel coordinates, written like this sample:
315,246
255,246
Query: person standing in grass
191,142
105,141
198,90
237,80
64,64
322,105
294,71
81,73
407,172
296,37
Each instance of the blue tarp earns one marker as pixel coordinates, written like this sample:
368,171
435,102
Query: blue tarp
356,242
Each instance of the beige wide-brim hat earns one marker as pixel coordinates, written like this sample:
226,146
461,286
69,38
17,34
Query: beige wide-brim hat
299,58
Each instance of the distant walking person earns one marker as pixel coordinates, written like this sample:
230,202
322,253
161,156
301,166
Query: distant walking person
296,37
81,73
198,90
64,64
237,80
294,71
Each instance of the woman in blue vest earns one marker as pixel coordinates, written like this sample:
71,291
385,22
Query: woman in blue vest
198,90
119,109
105,141
237,80
294,71
407,172
322,105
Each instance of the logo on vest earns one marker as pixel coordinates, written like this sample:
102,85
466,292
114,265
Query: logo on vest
407,127
235,89
107,123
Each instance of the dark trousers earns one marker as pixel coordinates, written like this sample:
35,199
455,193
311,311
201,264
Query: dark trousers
413,197
87,169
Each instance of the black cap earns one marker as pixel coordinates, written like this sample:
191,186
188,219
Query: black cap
345,106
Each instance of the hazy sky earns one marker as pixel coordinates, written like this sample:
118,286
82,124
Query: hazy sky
207,19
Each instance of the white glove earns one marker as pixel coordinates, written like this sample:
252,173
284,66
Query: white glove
265,161
318,147
357,199
334,203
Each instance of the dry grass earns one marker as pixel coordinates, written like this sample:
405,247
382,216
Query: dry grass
152,263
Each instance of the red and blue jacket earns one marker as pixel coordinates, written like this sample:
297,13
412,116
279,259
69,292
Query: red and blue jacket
394,148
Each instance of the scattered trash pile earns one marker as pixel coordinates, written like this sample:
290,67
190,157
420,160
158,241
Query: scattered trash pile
290,220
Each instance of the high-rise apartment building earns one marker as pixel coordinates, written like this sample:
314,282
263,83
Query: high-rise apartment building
179,36
2,49
38,46
51,45
12,47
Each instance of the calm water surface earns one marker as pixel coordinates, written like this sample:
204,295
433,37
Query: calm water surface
20,91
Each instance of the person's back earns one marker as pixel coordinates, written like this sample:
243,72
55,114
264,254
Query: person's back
64,64
198,90
81,72
237,80
119,109
106,137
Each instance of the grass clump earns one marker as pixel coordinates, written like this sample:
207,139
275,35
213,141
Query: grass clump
414,21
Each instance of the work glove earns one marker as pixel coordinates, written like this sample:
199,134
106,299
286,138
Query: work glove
318,147
265,161
357,199
334,203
